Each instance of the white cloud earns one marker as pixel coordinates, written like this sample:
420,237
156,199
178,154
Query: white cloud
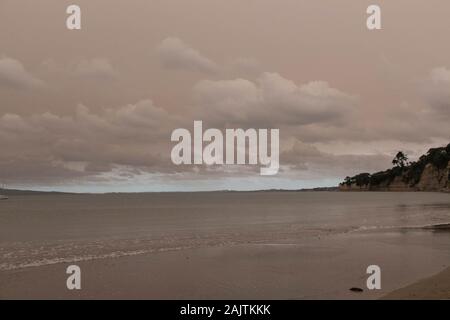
271,100
175,54
13,74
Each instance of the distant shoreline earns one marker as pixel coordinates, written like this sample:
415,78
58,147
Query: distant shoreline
12,192
19,192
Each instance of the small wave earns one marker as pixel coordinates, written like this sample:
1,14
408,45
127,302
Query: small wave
441,226
369,228
117,254
278,244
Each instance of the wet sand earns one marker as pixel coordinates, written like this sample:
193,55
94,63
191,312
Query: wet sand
436,287
318,270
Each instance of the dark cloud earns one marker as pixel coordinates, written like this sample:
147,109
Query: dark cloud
86,143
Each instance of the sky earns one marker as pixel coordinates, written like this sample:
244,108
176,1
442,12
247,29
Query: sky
92,110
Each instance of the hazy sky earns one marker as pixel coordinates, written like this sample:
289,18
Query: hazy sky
93,110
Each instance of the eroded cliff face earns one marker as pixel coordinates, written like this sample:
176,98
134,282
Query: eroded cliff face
431,179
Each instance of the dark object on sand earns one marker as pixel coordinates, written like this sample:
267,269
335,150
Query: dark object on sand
3,197
354,289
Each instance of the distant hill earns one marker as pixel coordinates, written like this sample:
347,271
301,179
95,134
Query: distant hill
430,173
13,192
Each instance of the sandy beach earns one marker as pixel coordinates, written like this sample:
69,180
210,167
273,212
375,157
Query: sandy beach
436,287
241,272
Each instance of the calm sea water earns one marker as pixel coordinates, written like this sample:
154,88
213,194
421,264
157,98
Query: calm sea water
38,230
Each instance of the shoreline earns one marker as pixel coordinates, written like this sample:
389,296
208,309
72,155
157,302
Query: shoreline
22,192
26,192
436,287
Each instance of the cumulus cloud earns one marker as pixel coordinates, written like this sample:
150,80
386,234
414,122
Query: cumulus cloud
272,100
175,54
85,143
422,122
81,69
136,137
134,140
13,74
96,68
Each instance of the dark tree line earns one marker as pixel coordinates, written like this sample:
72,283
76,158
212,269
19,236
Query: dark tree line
410,171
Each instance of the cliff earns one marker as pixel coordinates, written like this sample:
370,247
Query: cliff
430,173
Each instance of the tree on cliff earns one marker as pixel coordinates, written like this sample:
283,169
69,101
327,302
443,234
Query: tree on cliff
348,181
439,157
400,160
410,172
